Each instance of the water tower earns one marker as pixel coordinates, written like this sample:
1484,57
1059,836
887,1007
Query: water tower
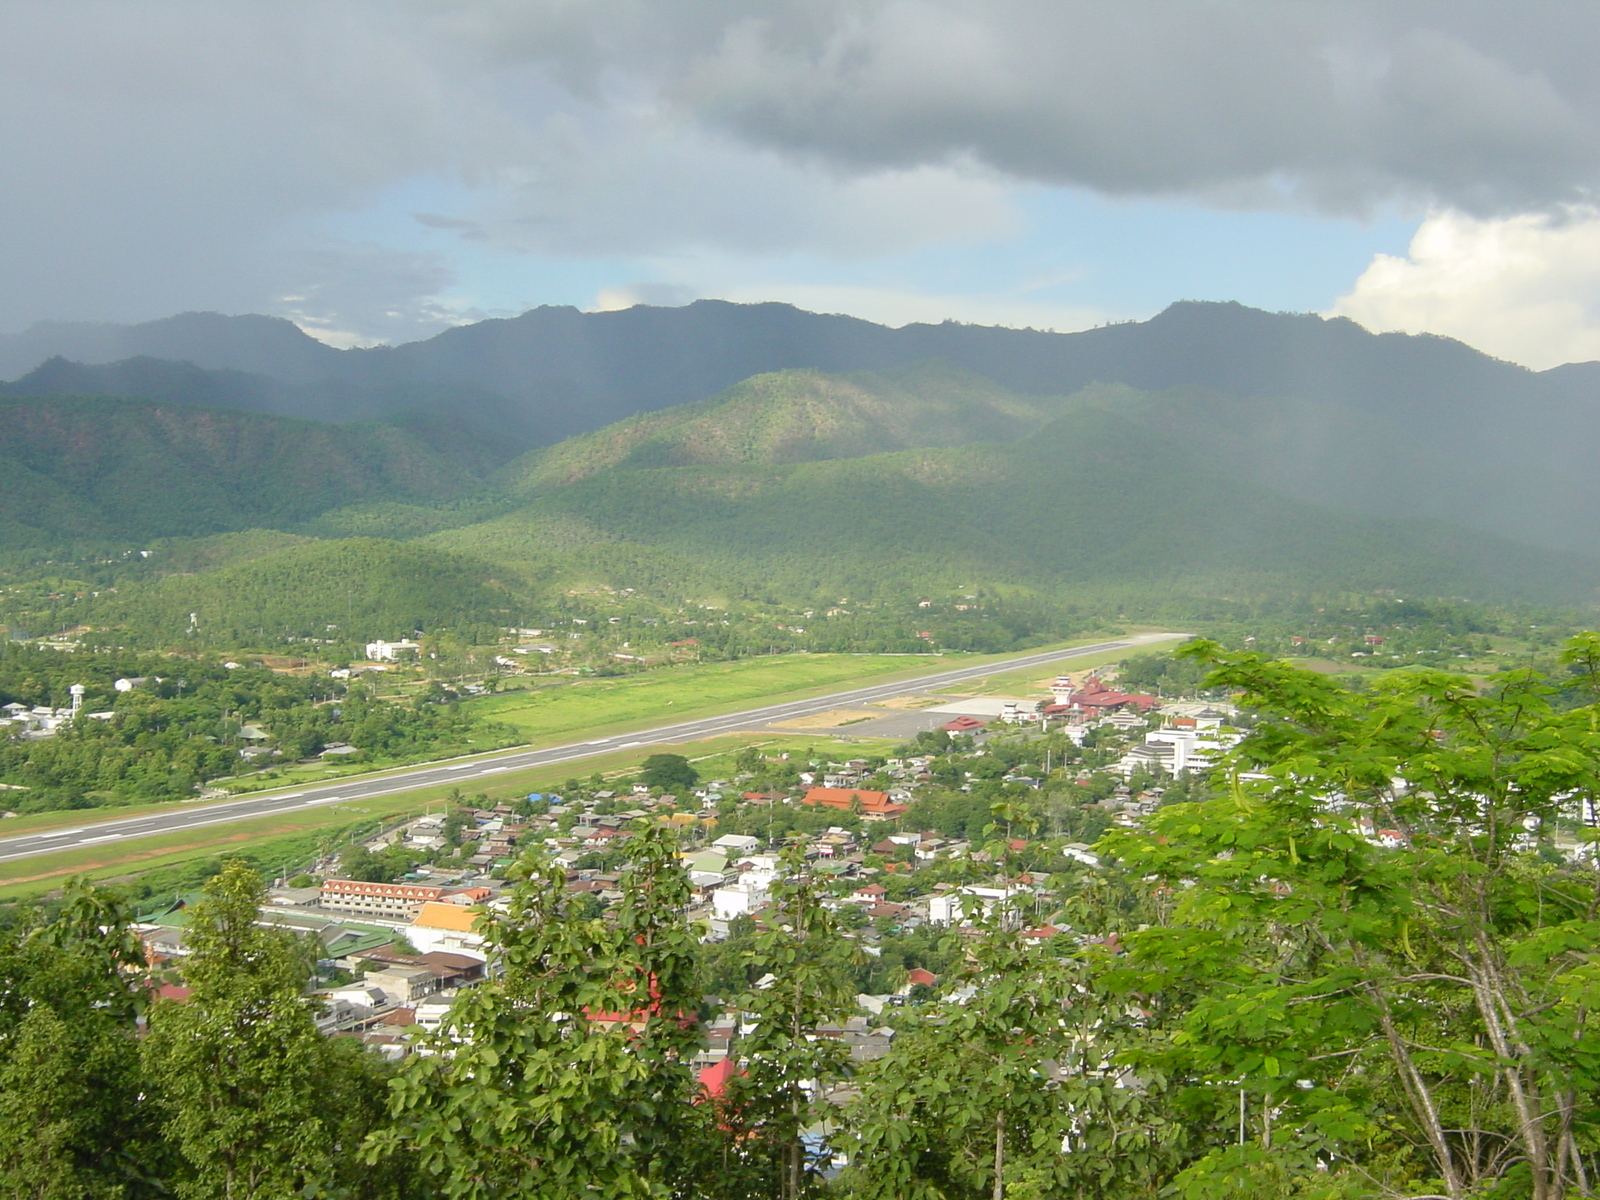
77,691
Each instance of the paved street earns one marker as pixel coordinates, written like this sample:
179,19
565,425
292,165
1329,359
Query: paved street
485,767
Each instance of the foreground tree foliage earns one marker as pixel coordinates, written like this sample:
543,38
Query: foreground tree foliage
568,1075
1017,1090
71,1096
1366,968
252,1098
804,983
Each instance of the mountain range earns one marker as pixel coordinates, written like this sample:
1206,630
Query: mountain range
762,449
1384,424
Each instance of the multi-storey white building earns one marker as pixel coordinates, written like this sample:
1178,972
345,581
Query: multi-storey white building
393,901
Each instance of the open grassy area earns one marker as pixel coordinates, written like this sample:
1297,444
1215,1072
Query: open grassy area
552,710
713,756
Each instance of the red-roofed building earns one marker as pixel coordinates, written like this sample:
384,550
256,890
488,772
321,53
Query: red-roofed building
714,1079
963,725
377,899
921,975
1096,697
872,804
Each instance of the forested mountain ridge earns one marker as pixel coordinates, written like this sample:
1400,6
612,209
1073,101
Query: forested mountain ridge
799,416
1095,498
1389,424
83,469
467,410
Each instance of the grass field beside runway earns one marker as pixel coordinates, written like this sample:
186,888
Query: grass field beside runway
257,835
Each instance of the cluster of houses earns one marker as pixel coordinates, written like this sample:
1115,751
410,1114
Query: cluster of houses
42,721
409,946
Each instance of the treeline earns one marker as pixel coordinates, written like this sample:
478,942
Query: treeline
348,592
184,723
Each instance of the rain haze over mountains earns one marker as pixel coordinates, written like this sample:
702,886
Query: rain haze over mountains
1347,253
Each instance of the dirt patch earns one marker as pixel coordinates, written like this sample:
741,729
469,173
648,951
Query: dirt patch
908,702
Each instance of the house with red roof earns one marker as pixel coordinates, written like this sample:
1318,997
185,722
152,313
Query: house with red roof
714,1079
963,725
871,804
1096,697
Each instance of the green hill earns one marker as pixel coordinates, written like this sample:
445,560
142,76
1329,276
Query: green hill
797,416
793,486
77,469
1095,497
363,588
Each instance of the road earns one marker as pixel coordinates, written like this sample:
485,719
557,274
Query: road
266,804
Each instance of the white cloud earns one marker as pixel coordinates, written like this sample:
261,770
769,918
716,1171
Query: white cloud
1524,288
1336,104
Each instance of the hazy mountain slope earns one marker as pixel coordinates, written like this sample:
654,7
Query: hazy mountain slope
1093,498
1385,424
799,416
1517,471
100,469
267,346
451,411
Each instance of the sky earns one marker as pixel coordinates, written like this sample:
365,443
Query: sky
377,170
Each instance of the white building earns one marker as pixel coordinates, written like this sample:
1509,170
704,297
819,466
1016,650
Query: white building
381,651
441,925
954,908
1177,752
395,901
738,900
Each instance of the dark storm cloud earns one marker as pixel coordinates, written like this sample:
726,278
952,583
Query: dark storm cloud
1339,105
181,153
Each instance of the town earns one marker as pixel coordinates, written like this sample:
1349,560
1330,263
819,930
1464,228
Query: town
906,849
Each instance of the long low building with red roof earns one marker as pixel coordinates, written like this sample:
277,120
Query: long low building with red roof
1096,697
397,901
872,804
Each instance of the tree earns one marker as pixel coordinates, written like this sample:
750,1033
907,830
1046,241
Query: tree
72,1096
1011,1090
669,772
789,1066
1366,967
238,1068
568,1077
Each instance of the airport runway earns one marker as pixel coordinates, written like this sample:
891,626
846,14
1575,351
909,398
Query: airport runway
485,767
